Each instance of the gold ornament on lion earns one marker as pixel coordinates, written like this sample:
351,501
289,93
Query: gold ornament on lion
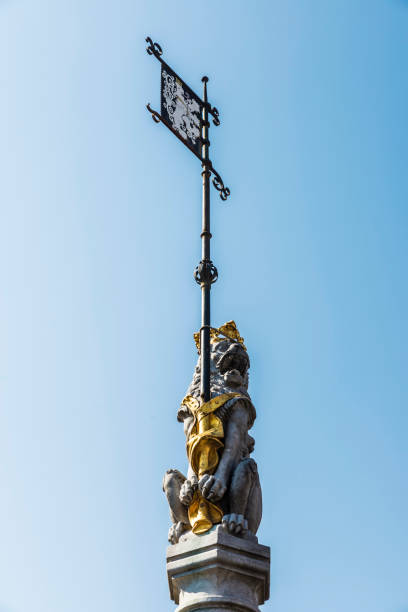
204,441
229,330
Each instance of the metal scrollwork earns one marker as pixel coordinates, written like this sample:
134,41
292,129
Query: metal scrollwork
216,115
155,115
219,185
154,48
205,272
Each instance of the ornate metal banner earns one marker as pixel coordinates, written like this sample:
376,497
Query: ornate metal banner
181,109
185,114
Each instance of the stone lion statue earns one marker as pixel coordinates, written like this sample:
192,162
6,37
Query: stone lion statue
222,483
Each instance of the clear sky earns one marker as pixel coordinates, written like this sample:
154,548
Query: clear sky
99,237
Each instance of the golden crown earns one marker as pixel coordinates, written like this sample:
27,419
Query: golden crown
228,330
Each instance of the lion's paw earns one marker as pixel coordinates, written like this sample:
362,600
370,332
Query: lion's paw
235,523
176,531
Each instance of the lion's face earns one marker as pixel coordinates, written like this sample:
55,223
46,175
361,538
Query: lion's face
229,369
232,364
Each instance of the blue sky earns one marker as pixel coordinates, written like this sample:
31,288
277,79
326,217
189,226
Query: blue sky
98,242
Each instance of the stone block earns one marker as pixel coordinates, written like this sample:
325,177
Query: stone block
217,571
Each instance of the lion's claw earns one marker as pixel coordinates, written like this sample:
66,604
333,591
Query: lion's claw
212,488
187,492
235,523
176,531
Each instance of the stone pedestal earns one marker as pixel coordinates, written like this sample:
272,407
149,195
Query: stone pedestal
218,572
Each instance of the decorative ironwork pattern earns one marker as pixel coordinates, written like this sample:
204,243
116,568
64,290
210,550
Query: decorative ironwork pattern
153,48
155,115
216,115
205,272
219,185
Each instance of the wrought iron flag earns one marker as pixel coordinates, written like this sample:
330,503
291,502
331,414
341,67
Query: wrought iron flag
186,115
181,109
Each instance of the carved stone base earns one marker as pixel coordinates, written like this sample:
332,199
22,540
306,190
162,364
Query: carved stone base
218,572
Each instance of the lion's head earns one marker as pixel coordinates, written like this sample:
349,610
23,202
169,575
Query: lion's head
229,363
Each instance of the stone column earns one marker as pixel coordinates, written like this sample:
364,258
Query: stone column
218,572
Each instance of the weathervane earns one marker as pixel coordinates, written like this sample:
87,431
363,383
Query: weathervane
186,115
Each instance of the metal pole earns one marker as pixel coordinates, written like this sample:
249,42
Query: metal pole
206,276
